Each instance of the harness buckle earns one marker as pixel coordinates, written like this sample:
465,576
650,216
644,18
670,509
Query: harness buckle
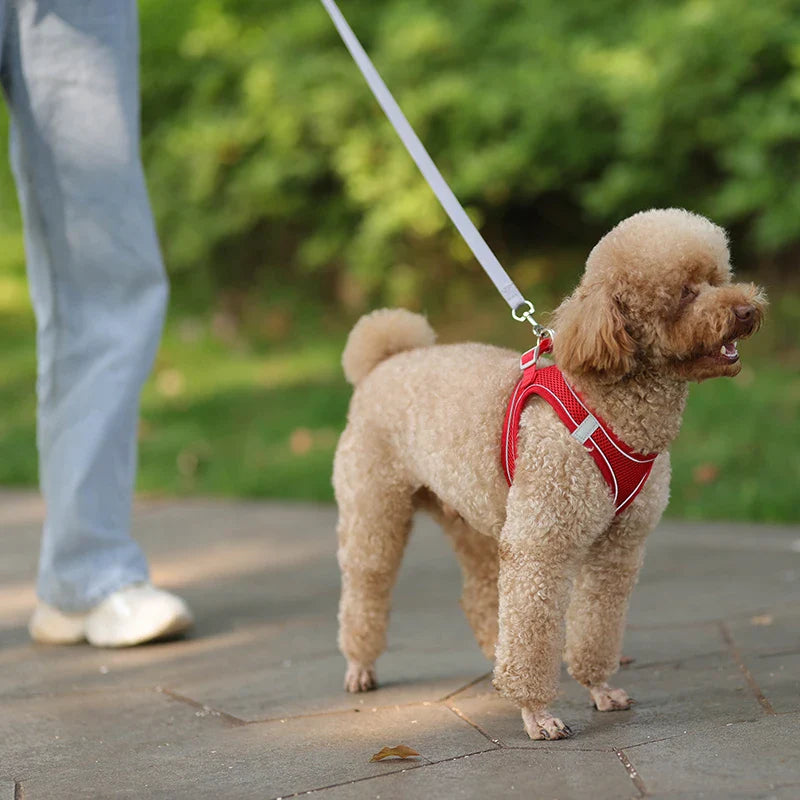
543,345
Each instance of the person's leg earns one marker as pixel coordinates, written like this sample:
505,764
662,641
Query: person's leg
96,278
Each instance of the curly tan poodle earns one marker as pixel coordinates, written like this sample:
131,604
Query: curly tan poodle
547,564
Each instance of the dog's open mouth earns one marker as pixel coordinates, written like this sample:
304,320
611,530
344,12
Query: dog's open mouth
722,360
728,352
726,356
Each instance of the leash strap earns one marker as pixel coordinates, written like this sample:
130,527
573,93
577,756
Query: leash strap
521,308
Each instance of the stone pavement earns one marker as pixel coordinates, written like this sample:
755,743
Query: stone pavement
251,705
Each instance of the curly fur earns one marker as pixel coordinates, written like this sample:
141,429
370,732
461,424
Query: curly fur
548,567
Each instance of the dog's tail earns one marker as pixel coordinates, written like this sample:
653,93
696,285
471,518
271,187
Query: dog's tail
381,334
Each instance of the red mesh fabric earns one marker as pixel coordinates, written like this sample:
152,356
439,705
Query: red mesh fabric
625,471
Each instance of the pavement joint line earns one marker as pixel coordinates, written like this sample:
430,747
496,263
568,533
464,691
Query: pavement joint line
384,774
204,710
38,694
746,616
660,739
633,773
741,616
466,686
461,715
658,626
674,661
778,653
147,505
42,694
748,676
715,727
539,746
333,712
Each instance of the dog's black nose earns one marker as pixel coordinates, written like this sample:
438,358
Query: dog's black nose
744,313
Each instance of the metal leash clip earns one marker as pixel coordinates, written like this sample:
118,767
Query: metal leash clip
524,313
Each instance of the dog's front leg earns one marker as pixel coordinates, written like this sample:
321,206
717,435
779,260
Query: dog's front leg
599,603
545,537
597,612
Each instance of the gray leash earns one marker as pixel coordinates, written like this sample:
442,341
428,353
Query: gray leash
521,309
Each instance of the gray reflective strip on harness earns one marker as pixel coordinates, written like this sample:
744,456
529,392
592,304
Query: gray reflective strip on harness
586,429
417,151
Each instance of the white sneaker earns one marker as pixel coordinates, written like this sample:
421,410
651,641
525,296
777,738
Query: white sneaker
136,614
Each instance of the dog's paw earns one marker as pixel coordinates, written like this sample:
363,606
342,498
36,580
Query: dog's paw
543,725
607,699
359,678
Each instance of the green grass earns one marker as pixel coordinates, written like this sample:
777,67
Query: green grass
253,424
737,455
258,416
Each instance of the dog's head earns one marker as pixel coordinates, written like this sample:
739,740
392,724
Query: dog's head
657,294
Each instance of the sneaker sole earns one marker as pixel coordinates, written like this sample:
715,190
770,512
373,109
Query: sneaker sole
174,627
42,638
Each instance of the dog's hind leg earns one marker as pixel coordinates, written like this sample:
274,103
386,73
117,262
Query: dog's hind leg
599,603
375,511
477,555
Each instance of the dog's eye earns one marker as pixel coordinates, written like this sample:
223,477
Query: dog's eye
687,295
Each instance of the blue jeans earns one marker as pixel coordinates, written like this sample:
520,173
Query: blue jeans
69,71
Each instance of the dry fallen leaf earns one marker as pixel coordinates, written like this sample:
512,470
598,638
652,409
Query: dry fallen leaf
188,461
705,474
399,751
145,430
170,382
625,660
225,326
301,441
763,619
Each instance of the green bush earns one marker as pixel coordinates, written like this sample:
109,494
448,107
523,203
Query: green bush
278,183
271,165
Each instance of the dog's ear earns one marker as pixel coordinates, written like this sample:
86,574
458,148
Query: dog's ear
590,334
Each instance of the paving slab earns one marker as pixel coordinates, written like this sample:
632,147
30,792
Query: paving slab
752,760
786,792
250,704
152,745
777,677
502,774
253,672
668,698
773,633
694,574
299,679
667,644
768,647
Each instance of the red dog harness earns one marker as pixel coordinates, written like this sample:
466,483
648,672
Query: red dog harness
625,471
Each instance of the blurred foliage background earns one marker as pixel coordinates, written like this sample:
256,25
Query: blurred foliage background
286,207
